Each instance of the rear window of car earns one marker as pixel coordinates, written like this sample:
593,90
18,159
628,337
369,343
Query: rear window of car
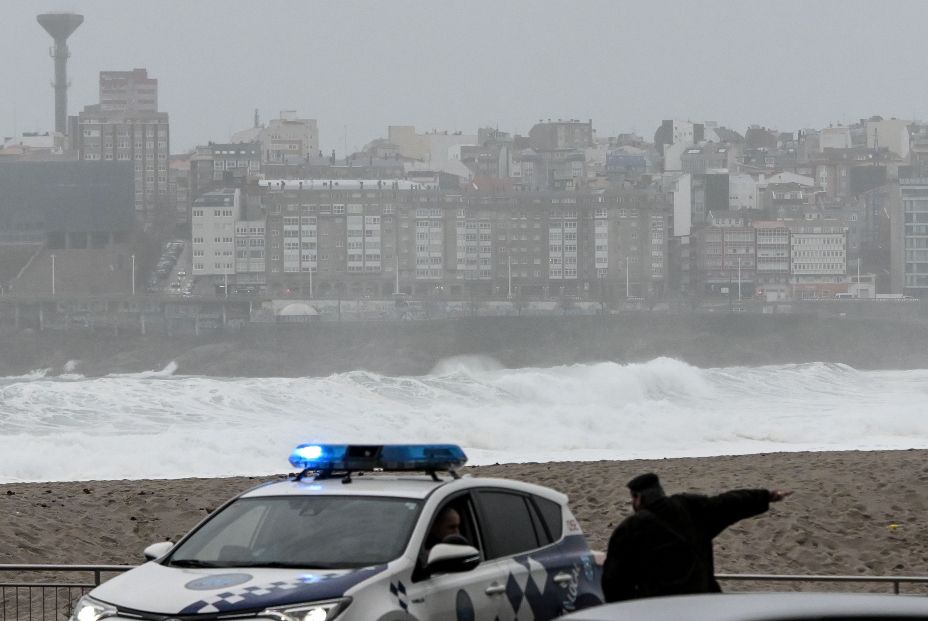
551,515
507,524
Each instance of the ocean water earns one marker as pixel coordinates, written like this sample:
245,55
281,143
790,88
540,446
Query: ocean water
59,425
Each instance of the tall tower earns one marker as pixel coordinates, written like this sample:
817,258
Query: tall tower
60,26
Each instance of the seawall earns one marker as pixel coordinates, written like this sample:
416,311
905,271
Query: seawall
415,347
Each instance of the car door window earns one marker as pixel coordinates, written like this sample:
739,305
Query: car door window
544,537
473,594
506,523
551,515
468,530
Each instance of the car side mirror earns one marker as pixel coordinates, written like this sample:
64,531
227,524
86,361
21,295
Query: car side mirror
157,550
446,558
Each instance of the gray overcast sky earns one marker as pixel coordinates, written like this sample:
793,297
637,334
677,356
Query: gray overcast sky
457,65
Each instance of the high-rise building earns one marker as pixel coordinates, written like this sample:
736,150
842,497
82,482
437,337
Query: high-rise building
128,91
126,126
909,238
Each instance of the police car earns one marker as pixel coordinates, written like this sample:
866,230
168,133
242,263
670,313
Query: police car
353,537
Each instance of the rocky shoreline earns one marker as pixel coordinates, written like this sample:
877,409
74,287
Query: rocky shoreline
415,348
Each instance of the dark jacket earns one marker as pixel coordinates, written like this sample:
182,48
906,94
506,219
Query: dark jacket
666,547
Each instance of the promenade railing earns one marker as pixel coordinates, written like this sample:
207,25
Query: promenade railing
49,592
894,581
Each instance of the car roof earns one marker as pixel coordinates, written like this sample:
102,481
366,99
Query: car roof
758,607
394,485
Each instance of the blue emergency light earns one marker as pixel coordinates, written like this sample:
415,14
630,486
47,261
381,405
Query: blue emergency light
395,457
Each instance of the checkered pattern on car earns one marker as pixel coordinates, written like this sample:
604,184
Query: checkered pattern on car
306,587
525,591
240,598
398,590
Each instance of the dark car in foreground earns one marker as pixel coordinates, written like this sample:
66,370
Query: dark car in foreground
762,607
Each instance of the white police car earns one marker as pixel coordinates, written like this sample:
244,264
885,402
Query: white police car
343,541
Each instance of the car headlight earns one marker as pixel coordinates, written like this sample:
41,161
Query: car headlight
315,611
89,609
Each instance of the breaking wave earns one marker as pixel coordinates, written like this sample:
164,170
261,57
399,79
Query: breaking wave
163,425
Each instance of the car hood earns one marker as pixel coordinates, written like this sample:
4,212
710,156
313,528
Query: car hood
173,590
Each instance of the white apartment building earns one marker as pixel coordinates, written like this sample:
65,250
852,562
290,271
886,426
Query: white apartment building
562,245
911,233
364,241
683,131
250,261
658,240
892,134
300,243
818,259
474,247
213,218
835,138
601,241
430,243
437,151
288,137
742,193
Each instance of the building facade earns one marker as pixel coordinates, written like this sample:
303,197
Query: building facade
123,127
818,259
370,238
213,225
128,91
911,235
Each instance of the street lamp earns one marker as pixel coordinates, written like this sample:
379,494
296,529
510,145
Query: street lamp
509,290
602,292
739,281
53,275
626,278
133,275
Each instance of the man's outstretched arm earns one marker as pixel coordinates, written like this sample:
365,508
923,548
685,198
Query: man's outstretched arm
721,511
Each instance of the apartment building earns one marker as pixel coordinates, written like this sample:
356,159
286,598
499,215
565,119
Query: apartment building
726,258
910,237
250,261
125,91
213,225
374,238
126,126
818,258
773,264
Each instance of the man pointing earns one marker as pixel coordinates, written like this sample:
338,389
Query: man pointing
665,547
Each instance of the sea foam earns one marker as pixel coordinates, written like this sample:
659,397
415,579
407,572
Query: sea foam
163,425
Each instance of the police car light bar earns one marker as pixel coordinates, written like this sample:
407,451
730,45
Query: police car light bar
395,457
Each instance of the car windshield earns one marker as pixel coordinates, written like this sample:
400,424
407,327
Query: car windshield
326,532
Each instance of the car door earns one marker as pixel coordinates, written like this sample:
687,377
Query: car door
466,596
540,581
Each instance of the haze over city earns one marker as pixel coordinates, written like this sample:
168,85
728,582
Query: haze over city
563,244
358,67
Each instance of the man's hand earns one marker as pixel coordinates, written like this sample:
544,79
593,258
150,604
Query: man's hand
777,495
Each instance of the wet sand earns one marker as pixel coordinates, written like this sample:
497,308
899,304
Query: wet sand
857,513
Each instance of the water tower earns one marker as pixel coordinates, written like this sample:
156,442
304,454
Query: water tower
60,26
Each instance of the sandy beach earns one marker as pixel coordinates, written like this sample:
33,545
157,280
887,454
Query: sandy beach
857,513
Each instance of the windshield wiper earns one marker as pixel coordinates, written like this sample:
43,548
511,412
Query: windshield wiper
307,565
192,562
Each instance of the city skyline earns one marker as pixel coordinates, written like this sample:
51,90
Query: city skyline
459,67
